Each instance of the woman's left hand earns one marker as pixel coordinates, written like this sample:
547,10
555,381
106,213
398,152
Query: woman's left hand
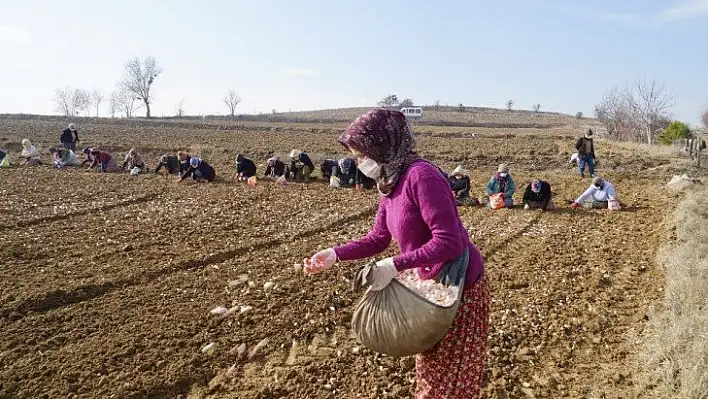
382,274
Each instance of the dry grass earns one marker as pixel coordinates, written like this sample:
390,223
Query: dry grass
672,355
658,151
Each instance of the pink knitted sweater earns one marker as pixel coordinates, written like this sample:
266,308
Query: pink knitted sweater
421,216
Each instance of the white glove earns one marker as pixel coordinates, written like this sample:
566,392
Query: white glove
527,207
320,261
382,274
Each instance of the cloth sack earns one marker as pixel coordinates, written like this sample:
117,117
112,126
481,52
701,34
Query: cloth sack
334,182
5,163
397,321
613,205
496,201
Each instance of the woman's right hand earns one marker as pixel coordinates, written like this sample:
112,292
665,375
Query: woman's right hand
320,261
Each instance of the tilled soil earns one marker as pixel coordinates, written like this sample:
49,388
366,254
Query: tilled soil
108,280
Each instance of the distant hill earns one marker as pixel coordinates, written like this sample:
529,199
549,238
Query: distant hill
432,116
438,116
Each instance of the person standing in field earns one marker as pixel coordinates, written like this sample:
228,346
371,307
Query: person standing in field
418,211
502,183
461,186
29,154
586,153
70,137
105,161
200,171
301,165
538,196
275,168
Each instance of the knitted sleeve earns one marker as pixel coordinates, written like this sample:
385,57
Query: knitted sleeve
432,195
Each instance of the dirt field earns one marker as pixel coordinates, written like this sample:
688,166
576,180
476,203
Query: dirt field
107,281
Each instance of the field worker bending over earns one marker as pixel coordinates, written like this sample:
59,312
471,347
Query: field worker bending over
586,153
502,183
62,157
199,170
301,165
170,163
341,173
600,195
88,159
69,137
4,161
245,168
418,211
574,159
461,186
275,168
105,161
538,196
29,154
134,162
184,159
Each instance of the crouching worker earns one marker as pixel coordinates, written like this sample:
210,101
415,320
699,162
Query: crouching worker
245,168
105,161
134,162
184,159
600,195
538,196
170,163
275,168
199,170
341,173
460,185
502,183
4,161
301,165
29,154
62,157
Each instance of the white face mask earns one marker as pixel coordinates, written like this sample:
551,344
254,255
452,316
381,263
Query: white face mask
503,174
370,168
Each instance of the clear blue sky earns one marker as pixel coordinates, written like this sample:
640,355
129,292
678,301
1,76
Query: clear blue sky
307,54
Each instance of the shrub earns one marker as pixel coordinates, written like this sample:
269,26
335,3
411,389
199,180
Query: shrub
579,115
677,130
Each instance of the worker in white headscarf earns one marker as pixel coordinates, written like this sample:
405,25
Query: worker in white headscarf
29,153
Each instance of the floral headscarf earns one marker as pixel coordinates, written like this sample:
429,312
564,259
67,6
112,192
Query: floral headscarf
345,165
384,136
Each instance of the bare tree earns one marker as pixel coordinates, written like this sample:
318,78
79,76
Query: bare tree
125,101
96,100
180,108
437,105
62,101
537,108
81,101
113,104
650,104
407,102
704,119
614,112
509,104
139,77
389,101
232,100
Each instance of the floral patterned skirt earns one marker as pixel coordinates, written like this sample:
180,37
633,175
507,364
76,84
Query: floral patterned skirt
453,369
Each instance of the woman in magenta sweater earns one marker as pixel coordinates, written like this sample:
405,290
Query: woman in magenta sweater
417,210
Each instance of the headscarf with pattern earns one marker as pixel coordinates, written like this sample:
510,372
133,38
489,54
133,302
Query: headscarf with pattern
384,136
